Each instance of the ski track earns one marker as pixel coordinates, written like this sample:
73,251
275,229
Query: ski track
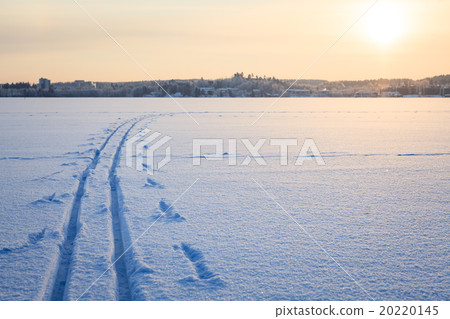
72,227
166,212
329,154
123,285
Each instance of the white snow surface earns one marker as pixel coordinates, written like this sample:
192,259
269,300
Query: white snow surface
373,223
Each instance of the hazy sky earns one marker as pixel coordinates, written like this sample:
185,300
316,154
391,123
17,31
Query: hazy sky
190,39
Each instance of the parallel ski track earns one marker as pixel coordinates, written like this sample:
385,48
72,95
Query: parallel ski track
72,228
123,285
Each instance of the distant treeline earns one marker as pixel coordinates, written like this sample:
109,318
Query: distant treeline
239,85
18,85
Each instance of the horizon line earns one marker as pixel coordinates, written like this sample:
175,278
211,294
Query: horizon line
253,76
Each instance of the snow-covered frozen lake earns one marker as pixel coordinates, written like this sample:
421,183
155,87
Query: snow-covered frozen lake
373,223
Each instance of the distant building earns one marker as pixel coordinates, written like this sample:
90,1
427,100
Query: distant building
298,92
44,84
366,94
81,84
408,90
431,91
323,93
445,92
209,91
390,94
227,92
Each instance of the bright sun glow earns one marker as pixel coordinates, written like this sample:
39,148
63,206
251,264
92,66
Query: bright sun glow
385,23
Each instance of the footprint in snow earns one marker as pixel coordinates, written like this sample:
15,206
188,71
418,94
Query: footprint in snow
167,213
48,177
50,199
69,164
152,184
86,144
33,239
204,276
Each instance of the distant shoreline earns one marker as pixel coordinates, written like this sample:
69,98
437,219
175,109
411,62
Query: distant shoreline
239,85
217,97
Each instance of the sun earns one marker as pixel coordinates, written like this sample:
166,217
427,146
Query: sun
385,23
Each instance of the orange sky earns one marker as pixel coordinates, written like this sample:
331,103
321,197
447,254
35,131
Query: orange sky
213,39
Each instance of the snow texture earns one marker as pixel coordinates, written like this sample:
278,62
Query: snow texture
77,224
